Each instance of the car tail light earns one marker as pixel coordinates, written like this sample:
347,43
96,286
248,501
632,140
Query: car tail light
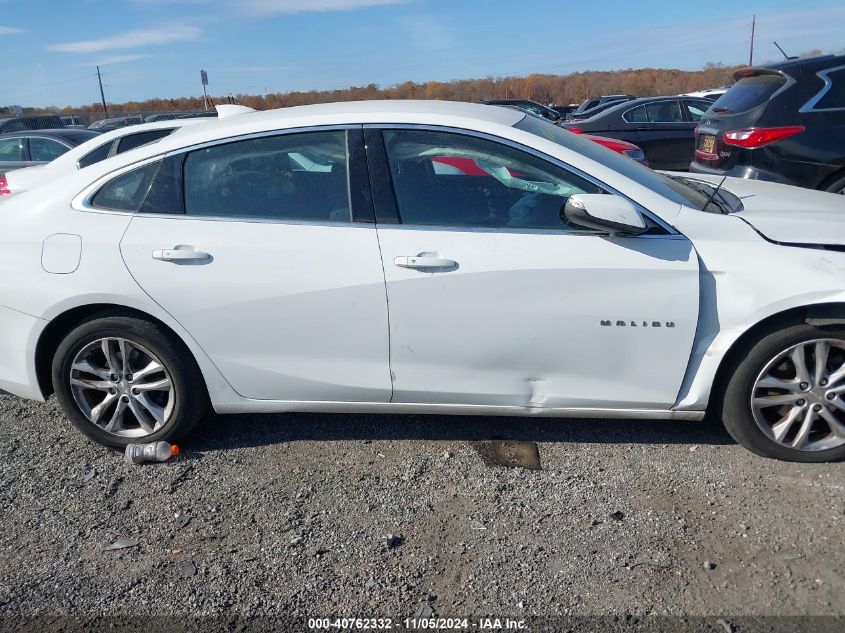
4,186
576,130
755,137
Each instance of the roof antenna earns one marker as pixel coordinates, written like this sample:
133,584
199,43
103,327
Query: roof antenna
785,56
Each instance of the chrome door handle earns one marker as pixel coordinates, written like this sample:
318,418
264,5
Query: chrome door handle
180,255
424,261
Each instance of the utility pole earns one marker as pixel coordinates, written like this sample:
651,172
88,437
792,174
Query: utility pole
751,52
102,94
204,80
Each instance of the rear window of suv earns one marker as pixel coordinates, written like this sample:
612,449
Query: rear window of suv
748,93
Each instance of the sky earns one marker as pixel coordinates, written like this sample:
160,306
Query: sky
155,48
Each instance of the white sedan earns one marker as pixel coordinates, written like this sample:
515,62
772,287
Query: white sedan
425,257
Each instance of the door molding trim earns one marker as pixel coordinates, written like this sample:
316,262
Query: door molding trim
289,406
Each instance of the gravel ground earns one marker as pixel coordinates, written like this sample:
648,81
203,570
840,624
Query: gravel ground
289,515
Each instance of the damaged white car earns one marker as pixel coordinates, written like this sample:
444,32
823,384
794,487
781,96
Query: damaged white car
424,257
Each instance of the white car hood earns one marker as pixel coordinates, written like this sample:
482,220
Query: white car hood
787,214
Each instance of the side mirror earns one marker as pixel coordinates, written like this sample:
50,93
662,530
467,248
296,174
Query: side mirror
604,212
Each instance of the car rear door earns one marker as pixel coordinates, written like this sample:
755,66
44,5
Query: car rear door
495,301
272,267
666,136
12,153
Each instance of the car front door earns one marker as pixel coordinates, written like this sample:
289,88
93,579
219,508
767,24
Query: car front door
271,266
495,301
666,136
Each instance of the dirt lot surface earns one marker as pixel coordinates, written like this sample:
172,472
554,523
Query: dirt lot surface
290,515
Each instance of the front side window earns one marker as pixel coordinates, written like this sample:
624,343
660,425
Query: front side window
127,191
664,112
454,180
95,156
11,149
45,149
287,177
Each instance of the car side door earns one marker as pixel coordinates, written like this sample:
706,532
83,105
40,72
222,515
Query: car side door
666,136
271,266
496,301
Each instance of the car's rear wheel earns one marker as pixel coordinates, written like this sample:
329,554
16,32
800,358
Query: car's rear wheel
786,396
123,379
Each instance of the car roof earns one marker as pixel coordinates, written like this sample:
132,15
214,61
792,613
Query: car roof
71,134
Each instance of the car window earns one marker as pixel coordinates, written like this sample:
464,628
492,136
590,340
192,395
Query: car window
11,149
285,177
96,155
835,97
131,141
454,180
664,112
637,115
45,149
748,93
696,109
127,191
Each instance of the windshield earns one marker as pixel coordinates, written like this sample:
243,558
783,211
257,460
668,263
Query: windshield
676,190
747,93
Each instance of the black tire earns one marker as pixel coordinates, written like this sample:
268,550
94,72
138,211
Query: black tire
837,185
191,399
735,404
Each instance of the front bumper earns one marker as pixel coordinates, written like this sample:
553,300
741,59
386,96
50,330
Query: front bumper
19,334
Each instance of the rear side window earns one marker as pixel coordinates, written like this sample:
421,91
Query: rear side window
11,149
127,191
285,177
637,115
748,93
131,141
696,109
95,156
664,112
45,149
834,98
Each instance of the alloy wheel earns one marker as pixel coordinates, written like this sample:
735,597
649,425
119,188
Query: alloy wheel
797,399
122,387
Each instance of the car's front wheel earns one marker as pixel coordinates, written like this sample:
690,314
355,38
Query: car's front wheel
122,379
786,396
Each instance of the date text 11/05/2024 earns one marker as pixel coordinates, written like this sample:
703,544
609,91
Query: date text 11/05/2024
417,624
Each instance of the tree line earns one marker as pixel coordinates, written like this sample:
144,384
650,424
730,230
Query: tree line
557,89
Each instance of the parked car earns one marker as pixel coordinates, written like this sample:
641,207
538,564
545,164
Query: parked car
622,147
73,121
107,125
784,123
563,110
36,147
591,112
589,105
543,289
662,126
32,122
710,94
527,104
98,147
